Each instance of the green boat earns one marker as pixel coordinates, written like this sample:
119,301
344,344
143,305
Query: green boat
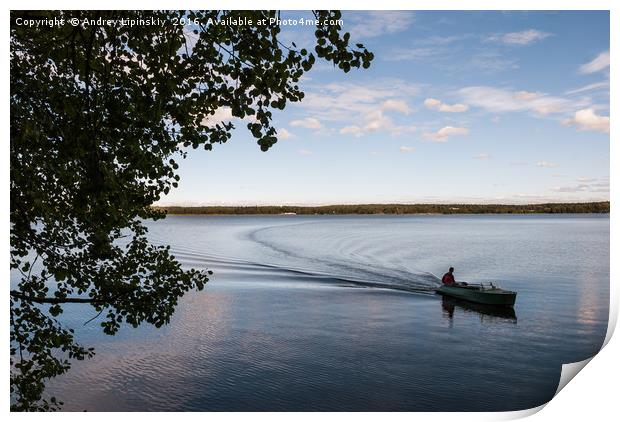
478,293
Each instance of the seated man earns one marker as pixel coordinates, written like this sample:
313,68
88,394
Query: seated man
448,278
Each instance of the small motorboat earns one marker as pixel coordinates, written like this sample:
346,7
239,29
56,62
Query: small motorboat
479,293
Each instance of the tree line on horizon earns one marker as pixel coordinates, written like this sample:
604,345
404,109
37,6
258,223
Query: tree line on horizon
550,208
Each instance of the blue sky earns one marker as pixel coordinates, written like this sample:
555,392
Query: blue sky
502,107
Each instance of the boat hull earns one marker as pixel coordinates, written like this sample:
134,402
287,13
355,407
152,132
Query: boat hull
492,296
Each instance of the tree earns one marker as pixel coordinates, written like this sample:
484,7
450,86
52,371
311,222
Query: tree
99,110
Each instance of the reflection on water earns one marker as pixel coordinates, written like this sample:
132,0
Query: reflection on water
488,313
308,313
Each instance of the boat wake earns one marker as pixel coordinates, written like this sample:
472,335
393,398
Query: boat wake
335,262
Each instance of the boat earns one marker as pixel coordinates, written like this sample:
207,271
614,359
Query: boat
479,293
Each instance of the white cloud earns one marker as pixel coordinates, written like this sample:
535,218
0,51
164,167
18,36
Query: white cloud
222,114
347,101
587,119
442,134
525,37
585,185
362,108
570,189
377,23
499,100
525,95
406,149
396,105
304,152
435,104
284,134
589,87
597,64
481,156
546,164
352,130
308,123
375,121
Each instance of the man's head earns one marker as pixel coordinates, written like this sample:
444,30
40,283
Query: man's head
451,269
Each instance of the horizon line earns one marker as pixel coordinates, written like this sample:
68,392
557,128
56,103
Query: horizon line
379,203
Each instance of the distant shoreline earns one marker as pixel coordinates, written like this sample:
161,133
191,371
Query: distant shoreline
394,209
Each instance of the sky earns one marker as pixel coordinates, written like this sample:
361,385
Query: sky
475,107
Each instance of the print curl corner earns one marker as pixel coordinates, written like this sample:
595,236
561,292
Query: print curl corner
569,371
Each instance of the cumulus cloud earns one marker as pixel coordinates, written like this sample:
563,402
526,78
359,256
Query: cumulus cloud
600,62
308,123
499,100
222,114
547,164
376,120
284,134
347,101
587,119
376,23
352,130
525,37
359,109
444,133
406,149
396,105
481,156
435,104
304,152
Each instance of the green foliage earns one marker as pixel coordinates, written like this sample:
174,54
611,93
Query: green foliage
555,208
98,113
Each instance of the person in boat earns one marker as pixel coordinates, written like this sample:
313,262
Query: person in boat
448,278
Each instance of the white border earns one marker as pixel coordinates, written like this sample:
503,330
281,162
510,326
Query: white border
590,395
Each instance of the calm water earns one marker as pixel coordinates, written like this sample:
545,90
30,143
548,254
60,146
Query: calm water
335,313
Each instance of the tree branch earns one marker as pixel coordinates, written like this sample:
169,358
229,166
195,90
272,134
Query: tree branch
55,300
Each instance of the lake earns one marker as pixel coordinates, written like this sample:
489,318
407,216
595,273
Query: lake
337,313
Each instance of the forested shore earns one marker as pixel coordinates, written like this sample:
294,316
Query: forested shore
550,208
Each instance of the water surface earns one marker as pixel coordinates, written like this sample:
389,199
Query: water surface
337,313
